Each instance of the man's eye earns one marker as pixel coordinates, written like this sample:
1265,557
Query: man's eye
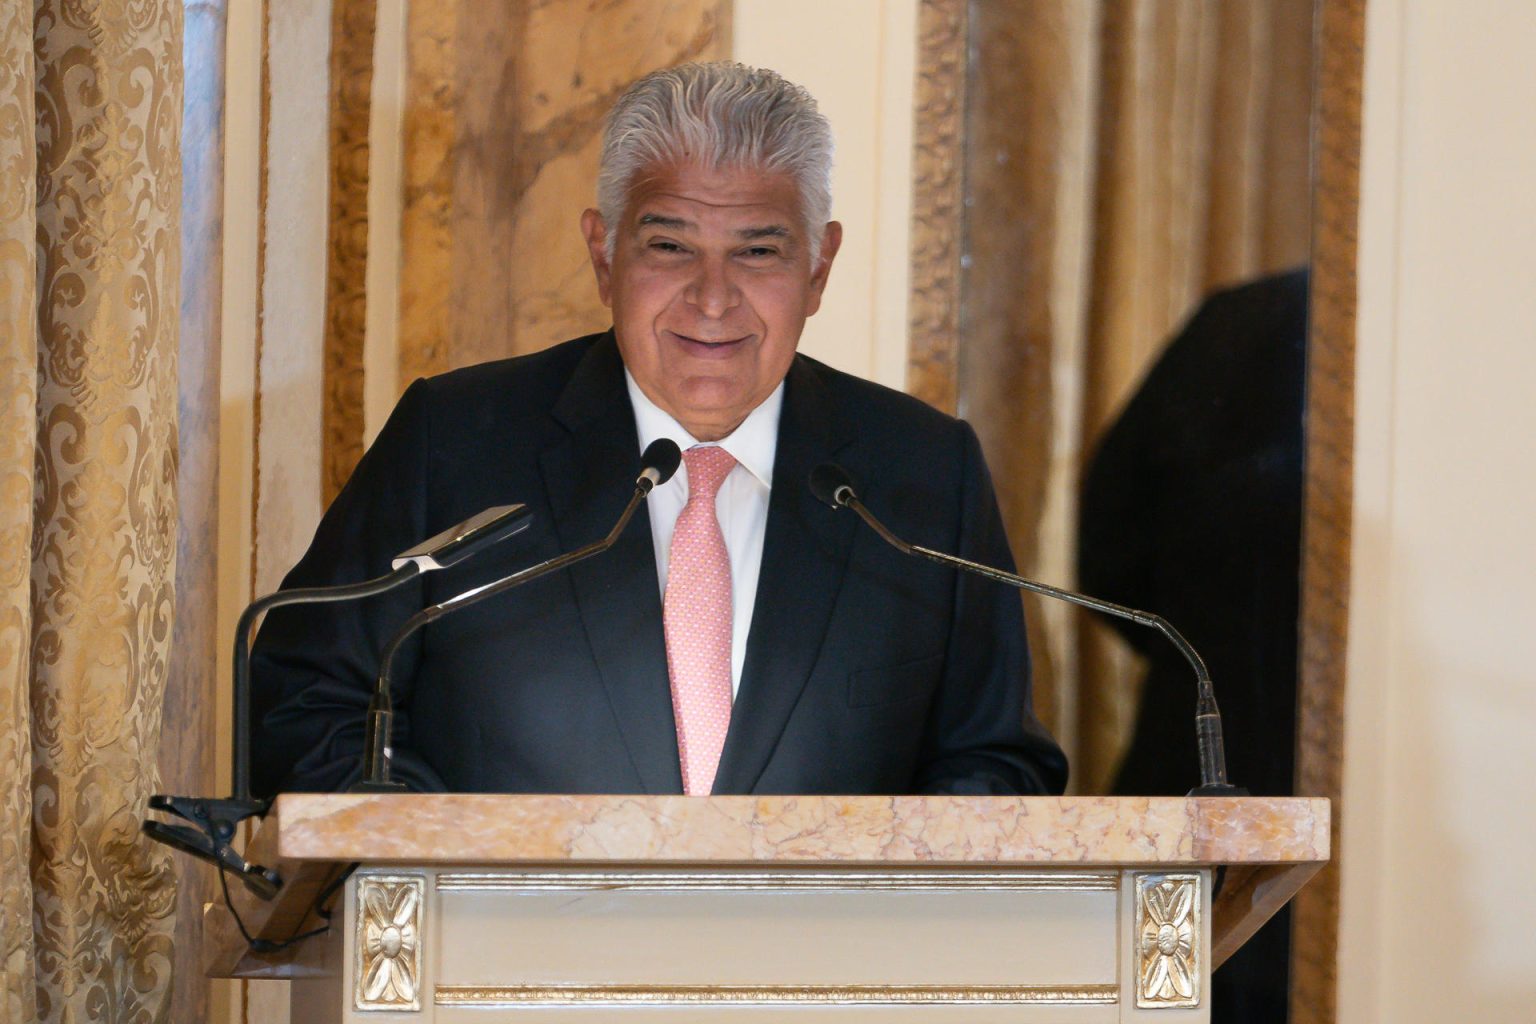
760,252
662,245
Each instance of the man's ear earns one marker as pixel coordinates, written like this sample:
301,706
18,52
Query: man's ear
831,239
596,234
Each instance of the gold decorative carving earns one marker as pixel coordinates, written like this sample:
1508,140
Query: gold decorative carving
938,122
924,881
1168,953
387,966
523,996
1330,436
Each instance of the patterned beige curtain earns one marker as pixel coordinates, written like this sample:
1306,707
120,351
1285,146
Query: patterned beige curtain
90,116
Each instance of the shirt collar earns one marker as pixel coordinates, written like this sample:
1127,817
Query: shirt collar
752,445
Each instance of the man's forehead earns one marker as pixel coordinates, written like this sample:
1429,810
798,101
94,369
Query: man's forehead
767,202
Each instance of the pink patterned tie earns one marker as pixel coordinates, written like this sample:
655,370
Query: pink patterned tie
697,614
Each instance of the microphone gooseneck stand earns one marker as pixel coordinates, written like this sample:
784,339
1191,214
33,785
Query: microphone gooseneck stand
660,461
214,821
833,485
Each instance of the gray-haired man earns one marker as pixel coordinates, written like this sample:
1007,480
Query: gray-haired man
749,640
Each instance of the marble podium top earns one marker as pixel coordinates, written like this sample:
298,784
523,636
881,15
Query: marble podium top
1034,831
1270,846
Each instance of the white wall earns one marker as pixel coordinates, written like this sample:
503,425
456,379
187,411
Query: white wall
1439,834
859,61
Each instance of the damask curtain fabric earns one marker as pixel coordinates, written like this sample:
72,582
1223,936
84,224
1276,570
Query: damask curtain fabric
90,117
18,429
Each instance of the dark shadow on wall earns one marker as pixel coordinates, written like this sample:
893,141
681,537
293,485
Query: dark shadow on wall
1192,509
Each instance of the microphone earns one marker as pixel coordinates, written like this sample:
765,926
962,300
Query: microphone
832,485
659,461
465,540
216,819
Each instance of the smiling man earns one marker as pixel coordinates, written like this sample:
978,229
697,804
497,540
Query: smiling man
740,637
710,277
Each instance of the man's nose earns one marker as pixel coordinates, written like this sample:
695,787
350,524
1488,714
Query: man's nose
712,291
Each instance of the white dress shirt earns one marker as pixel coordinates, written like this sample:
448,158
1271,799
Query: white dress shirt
741,504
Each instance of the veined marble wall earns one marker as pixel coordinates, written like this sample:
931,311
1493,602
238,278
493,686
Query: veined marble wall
503,116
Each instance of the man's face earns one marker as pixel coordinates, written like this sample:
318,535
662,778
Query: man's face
710,283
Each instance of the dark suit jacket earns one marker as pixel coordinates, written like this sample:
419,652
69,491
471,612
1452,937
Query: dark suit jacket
866,671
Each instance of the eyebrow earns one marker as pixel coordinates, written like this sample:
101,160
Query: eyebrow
767,231
666,222
679,224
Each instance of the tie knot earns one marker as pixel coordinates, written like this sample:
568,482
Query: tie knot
708,467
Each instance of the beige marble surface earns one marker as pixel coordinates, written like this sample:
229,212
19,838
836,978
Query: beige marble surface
504,106
481,829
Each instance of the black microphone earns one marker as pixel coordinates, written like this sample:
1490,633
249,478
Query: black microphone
216,819
833,485
465,540
658,463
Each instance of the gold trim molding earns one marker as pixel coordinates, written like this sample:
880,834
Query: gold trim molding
387,965
523,996
1168,941
693,881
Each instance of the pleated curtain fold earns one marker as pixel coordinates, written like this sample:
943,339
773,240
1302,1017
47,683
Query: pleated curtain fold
90,192
1124,158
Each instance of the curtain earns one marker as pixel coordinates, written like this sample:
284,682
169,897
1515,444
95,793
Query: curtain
1202,182
90,116
1148,152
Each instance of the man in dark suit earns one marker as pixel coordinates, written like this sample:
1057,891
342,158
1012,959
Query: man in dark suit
754,641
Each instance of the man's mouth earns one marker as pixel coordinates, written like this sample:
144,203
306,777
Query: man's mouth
709,347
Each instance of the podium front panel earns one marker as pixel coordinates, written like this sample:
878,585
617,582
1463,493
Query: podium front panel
571,945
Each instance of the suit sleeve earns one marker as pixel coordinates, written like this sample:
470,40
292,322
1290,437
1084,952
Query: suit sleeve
983,737
314,666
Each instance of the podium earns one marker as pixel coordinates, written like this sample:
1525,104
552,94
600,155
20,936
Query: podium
536,909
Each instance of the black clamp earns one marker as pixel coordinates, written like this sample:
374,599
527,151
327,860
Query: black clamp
215,821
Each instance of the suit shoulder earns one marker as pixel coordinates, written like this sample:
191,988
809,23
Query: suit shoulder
884,415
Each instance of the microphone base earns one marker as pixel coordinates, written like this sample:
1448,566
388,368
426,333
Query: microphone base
1218,789
367,786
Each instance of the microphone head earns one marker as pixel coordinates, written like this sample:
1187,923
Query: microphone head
468,538
660,460
833,485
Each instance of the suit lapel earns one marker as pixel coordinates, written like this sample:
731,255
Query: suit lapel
805,553
589,476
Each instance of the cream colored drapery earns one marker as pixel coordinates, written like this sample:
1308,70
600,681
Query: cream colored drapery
1123,159
1203,181
90,116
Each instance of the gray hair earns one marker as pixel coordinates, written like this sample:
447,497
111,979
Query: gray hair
722,114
